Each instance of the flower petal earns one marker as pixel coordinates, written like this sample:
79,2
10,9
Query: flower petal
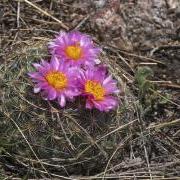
109,78
55,63
62,100
52,94
89,104
37,66
37,89
71,93
36,76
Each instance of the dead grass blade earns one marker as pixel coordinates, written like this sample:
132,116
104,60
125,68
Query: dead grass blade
47,14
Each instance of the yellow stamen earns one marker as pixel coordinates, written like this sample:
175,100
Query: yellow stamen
96,89
57,79
74,52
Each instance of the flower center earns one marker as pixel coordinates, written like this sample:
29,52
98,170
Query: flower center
95,88
74,52
57,79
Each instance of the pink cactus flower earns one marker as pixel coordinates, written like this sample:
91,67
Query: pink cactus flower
98,87
75,48
56,80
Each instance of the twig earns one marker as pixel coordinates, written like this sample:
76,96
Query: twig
171,85
178,105
119,146
115,130
64,132
52,174
141,126
31,103
18,14
45,163
166,124
81,22
47,14
147,63
166,84
123,59
135,55
165,47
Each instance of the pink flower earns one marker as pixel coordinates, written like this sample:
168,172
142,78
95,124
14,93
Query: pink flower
56,80
98,88
75,48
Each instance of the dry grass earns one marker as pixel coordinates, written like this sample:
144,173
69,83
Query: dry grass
40,140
